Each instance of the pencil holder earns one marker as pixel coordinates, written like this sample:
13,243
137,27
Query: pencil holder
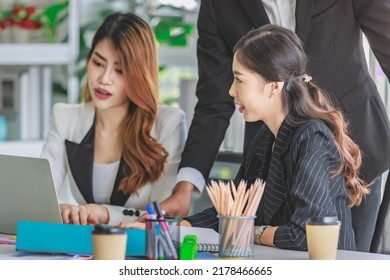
162,239
236,236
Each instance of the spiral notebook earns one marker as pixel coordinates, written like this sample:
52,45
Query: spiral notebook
208,239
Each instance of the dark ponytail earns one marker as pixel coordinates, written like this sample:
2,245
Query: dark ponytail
276,54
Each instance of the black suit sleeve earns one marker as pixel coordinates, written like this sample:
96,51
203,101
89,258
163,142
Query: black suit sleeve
215,107
208,218
374,20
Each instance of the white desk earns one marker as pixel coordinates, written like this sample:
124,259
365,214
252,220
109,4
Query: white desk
6,250
260,252
270,253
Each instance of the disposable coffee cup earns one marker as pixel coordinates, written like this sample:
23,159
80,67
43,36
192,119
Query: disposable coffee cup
322,235
109,243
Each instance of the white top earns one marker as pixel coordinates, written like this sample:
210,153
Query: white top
281,12
103,180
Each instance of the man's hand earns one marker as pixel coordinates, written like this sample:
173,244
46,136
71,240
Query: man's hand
179,203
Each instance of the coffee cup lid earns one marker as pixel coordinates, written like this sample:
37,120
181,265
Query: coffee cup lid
329,220
106,229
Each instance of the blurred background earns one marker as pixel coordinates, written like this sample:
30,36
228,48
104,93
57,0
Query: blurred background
43,45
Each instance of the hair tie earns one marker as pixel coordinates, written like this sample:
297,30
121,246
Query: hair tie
306,78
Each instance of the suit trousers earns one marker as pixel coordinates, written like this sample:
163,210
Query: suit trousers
364,216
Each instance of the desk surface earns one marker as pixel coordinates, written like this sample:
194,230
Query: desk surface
270,253
260,253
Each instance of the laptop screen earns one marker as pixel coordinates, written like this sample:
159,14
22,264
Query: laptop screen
27,192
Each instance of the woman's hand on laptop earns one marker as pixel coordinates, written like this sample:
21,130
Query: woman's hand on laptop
89,214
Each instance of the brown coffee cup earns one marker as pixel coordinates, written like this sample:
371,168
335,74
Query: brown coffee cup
109,243
322,235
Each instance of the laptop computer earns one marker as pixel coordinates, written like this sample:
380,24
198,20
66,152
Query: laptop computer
27,192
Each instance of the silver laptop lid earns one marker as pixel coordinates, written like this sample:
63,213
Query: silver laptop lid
27,192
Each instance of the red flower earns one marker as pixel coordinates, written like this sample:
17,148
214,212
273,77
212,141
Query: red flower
26,24
24,17
16,9
37,25
11,21
30,10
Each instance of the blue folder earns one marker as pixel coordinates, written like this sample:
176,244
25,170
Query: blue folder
69,239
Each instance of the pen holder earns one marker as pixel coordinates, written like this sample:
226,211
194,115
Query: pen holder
162,240
236,236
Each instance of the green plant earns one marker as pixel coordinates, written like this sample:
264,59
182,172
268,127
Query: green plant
53,15
3,18
173,31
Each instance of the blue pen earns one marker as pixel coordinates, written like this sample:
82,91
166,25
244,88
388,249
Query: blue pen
150,209
165,232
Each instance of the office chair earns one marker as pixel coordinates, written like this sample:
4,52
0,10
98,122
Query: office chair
381,240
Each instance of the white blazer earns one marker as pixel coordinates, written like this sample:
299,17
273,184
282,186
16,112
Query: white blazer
72,122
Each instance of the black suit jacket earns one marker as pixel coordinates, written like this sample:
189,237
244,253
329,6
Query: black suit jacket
299,183
331,33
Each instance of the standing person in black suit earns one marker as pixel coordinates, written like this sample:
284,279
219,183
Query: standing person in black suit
331,31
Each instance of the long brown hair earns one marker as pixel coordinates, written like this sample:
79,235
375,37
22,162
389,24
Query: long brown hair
134,40
277,54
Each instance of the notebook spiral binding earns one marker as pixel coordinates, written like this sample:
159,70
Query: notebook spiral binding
208,247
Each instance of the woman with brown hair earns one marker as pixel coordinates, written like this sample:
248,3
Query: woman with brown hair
118,150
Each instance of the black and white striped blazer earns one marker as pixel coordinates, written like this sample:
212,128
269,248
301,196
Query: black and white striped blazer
299,183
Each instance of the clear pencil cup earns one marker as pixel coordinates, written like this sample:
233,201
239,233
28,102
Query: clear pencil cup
236,236
162,239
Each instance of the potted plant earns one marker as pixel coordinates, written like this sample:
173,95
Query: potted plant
23,20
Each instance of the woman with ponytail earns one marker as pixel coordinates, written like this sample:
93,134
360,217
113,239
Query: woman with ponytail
118,150
302,149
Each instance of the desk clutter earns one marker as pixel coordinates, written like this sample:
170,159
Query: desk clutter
163,237
58,238
8,239
167,240
184,242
